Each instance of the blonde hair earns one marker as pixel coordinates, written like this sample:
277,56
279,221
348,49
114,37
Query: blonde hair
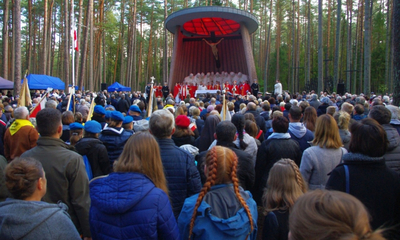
309,118
141,154
327,132
285,185
347,107
221,165
342,118
333,215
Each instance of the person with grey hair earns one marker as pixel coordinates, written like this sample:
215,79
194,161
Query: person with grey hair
20,136
394,121
83,108
180,170
51,104
314,102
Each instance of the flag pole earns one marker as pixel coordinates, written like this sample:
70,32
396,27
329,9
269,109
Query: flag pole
150,107
73,47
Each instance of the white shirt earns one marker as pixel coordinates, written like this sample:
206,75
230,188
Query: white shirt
278,89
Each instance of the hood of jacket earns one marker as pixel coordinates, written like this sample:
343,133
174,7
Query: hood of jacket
392,135
20,217
119,192
85,145
298,129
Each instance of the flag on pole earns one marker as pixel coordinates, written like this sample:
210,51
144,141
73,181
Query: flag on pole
41,105
25,95
75,40
91,109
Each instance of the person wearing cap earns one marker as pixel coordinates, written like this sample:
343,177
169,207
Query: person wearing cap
127,124
134,112
99,113
114,136
75,133
183,134
91,147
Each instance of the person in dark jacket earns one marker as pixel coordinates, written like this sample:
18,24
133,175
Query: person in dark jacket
91,147
114,136
394,120
314,102
179,167
297,130
207,134
165,90
132,202
183,134
67,118
123,104
226,135
64,170
368,178
324,105
278,145
25,216
392,156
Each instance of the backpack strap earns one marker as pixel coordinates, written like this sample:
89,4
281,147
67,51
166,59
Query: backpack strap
346,171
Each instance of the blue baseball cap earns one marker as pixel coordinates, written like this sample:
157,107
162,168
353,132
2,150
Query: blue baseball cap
127,119
99,109
135,108
117,116
75,126
92,127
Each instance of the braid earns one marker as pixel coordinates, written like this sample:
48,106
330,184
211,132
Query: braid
211,176
299,178
235,182
238,120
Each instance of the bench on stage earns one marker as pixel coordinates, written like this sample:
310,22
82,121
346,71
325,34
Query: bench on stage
205,91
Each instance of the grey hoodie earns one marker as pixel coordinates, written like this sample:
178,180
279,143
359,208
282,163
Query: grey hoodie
20,219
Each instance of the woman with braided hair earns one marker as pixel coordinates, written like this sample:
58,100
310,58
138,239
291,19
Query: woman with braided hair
285,185
222,210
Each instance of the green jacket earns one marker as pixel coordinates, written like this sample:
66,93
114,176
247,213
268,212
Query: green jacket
67,180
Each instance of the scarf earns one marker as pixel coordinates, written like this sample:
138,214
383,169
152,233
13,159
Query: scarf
18,124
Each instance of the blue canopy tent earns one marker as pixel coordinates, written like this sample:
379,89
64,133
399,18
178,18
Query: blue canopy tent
118,87
36,81
6,84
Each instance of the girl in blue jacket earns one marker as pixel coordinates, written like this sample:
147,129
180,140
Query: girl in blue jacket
132,202
222,210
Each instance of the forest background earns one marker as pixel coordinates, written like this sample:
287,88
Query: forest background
307,44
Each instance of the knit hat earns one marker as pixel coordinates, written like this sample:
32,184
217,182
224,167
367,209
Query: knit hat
135,108
99,109
182,121
75,126
92,127
127,119
117,116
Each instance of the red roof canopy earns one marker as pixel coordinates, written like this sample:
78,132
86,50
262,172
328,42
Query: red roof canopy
204,26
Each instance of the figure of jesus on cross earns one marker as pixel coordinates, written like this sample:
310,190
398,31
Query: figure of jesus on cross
214,47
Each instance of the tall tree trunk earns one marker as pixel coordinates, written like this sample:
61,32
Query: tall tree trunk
348,54
297,79
336,63
78,38
49,37
6,16
328,40
320,49
387,53
122,31
66,44
91,75
278,36
396,51
30,33
268,48
134,44
16,19
367,47
308,65
43,61
85,47
391,72
291,86
150,47
165,50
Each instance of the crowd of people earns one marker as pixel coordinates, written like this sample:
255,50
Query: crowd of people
261,166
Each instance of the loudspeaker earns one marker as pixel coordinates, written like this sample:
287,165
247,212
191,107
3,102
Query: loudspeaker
340,88
103,86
